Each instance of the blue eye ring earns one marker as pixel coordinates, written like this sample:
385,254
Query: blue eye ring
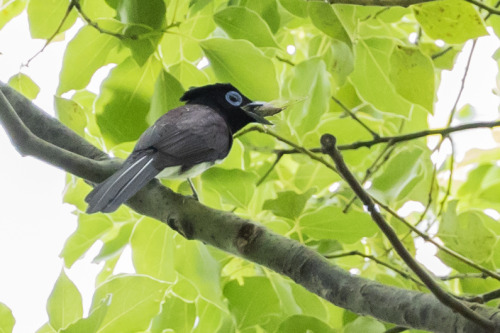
233,98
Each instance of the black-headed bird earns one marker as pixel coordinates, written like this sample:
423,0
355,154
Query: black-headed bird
182,143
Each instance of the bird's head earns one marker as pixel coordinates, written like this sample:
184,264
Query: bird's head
236,108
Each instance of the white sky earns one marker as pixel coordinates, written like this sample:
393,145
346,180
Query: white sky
35,224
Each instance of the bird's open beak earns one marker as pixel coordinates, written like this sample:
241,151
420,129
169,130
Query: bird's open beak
259,110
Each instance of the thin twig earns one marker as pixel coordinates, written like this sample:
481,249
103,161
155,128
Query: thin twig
353,116
295,146
286,61
426,237
397,138
490,10
378,261
49,40
76,4
276,161
328,143
462,85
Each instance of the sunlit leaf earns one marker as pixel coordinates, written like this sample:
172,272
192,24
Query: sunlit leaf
254,302
90,228
407,66
453,21
244,23
64,305
325,19
10,10
124,101
7,320
230,59
88,51
331,222
153,250
46,16
135,300
304,324
25,85
70,114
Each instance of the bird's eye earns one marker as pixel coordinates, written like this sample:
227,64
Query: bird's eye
233,98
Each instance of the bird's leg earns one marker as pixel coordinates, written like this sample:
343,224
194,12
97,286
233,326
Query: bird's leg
195,194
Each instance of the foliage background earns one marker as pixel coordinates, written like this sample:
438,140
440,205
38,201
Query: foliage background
376,83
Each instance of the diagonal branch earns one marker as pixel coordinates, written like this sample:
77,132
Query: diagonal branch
328,142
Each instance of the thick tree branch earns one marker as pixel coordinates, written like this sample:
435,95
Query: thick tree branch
249,240
329,145
30,144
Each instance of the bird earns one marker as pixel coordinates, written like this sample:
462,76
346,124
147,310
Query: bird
182,143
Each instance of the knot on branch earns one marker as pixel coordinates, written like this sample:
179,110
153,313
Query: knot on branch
328,142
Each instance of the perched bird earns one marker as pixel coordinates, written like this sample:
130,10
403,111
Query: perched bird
182,143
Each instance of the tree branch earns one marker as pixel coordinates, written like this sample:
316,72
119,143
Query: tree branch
328,142
388,3
30,144
393,139
255,243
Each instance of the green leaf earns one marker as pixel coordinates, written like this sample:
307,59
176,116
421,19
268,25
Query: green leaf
115,245
64,305
90,229
7,320
70,114
453,21
406,176
176,315
146,18
92,323
236,187
124,102
202,271
10,10
166,96
244,23
468,234
304,324
268,10
25,85
289,204
46,328
365,324
331,222
46,16
310,81
371,76
229,60
295,7
188,75
252,303
153,250
325,19
211,317
88,51
135,300
412,73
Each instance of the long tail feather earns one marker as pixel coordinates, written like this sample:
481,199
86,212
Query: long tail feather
122,185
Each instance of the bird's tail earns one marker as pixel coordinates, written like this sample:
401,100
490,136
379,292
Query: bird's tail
122,185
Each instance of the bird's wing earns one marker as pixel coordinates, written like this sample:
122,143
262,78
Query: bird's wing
186,136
